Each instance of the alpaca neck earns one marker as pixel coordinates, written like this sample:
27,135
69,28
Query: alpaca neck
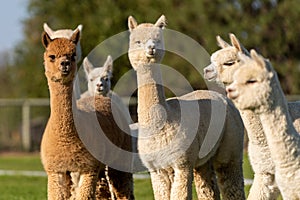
61,102
283,139
151,97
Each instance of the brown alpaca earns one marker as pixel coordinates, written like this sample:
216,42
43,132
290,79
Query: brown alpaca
72,170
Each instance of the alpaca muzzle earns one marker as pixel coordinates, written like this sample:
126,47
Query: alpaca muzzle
210,73
65,67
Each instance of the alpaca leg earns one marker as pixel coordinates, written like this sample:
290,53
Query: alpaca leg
87,186
59,186
121,183
182,185
102,188
206,182
231,181
161,184
263,188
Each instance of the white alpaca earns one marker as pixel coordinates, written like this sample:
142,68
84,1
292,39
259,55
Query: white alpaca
171,131
257,77
224,63
99,83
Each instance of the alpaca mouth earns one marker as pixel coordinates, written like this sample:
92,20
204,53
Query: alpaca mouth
232,95
150,55
210,76
65,72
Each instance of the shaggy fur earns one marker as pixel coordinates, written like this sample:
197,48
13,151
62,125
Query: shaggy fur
72,170
224,63
256,76
169,140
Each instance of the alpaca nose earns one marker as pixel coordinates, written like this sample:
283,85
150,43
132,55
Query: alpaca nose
232,93
230,89
65,63
210,72
150,47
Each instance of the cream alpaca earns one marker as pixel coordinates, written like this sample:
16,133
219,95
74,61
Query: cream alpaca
257,76
224,63
72,170
169,142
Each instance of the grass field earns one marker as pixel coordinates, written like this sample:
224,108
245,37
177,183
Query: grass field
34,188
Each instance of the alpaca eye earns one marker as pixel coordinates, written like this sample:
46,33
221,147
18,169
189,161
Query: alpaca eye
251,81
229,63
138,42
52,58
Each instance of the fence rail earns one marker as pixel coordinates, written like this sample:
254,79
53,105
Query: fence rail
27,104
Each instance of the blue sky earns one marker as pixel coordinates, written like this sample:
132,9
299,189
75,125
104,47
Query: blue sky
12,12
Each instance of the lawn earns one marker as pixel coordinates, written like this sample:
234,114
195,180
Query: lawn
31,188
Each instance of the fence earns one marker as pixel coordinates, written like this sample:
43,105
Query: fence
25,116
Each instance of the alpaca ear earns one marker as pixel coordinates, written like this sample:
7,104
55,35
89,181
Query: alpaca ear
109,64
48,30
258,58
221,43
76,36
46,39
79,27
132,24
87,66
161,22
236,43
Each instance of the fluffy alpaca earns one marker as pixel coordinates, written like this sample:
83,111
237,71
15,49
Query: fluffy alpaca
72,170
224,63
256,76
169,141
99,83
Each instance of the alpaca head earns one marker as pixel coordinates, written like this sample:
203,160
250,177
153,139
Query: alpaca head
98,77
146,44
60,57
64,33
224,61
251,86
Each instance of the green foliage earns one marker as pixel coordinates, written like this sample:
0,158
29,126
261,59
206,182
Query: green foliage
266,25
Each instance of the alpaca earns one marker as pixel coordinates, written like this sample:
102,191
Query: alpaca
72,170
256,76
224,63
99,83
170,138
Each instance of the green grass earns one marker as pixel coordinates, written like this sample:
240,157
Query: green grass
23,188
21,162
31,188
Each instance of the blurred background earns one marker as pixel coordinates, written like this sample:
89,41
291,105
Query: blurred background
270,26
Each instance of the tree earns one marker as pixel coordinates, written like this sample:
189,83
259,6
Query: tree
266,25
